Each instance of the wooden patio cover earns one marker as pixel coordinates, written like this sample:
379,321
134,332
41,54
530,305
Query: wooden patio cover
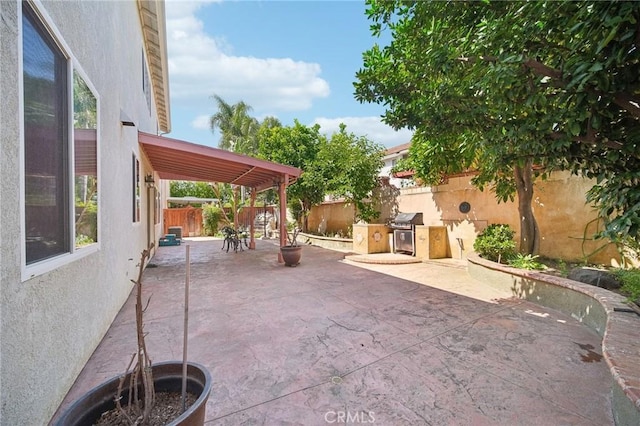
173,159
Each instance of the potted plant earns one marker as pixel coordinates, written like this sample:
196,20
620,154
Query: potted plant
173,393
291,252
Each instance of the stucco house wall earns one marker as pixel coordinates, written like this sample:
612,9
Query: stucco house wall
566,222
559,205
52,321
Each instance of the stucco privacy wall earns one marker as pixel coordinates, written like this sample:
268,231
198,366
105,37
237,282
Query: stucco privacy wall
50,324
559,205
337,215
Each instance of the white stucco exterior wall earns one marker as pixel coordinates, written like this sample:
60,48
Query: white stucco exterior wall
391,157
385,171
51,323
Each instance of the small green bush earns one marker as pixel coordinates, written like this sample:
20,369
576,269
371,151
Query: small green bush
496,243
211,217
83,240
563,268
630,279
527,261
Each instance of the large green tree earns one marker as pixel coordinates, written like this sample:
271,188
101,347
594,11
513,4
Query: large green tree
297,146
351,165
344,165
515,90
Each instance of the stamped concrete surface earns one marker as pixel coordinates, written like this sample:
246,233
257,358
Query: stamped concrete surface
334,341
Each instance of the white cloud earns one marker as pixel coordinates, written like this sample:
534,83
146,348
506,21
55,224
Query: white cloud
371,127
184,8
201,122
201,65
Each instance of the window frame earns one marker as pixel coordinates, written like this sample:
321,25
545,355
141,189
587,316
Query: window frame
40,267
90,248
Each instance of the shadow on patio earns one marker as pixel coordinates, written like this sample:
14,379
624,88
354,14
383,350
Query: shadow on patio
309,344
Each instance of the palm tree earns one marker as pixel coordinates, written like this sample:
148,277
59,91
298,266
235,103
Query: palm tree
237,128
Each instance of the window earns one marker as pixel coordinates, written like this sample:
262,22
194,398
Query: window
85,123
135,168
46,142
60,148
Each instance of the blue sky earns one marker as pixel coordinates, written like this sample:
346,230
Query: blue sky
289,59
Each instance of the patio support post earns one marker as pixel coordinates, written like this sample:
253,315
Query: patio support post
252,215
282,195
235,207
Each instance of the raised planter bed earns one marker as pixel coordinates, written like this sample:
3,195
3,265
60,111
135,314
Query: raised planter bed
602,310
341,244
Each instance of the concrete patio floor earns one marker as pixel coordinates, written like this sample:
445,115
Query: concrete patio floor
408,344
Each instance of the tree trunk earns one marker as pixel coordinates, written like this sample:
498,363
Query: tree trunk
529,233
306,209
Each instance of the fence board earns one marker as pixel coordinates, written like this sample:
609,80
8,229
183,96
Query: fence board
189,218
191,221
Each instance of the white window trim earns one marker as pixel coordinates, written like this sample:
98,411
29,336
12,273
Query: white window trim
83,251
42,267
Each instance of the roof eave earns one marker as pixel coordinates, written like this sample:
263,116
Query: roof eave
153,21
174,159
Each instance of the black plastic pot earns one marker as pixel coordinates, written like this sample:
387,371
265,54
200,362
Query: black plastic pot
167,377
291,255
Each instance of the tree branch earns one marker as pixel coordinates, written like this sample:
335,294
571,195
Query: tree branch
544,70
590,138
626,101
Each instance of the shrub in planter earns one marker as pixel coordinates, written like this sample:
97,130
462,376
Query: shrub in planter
630,279
496,243
292,252
211,217
526,261
131,397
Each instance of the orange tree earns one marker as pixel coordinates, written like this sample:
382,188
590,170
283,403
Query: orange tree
297,146
501,87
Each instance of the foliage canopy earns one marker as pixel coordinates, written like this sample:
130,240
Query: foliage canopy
182,188
501,87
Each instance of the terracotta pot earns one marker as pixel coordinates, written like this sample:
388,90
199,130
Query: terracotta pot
167,377
291,255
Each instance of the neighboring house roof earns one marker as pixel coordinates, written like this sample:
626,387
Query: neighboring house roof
154,32
397,149
174,159
192,200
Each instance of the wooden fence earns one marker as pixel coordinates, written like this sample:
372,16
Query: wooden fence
189,218
191,221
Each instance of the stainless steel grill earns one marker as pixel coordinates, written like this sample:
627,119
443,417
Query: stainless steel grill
404,232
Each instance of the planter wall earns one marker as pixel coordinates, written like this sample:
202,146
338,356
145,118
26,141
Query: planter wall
602,310
167,376
342,244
